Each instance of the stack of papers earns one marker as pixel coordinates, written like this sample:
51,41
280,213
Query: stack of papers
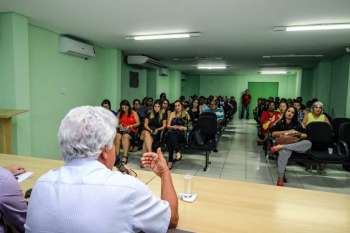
22,177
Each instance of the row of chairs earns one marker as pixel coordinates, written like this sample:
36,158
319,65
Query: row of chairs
330,145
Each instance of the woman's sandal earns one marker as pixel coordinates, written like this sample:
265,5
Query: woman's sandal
178,156
125,159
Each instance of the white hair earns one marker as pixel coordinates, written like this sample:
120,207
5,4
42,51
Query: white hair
85,131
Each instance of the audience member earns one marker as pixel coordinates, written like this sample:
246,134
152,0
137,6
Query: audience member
246,97
154,125
268,119
290,136
107,105
128,126
176,132
316,114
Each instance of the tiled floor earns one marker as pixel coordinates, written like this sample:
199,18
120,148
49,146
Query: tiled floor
239,158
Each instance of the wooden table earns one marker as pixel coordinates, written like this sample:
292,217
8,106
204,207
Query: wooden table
232,206
6,129
40,166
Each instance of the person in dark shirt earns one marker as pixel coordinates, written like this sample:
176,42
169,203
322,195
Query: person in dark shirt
107,104
154,124
288,127
194,112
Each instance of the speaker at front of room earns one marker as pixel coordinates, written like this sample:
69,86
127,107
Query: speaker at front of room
133,79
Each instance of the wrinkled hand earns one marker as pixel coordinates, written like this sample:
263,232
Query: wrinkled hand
15,169
156,162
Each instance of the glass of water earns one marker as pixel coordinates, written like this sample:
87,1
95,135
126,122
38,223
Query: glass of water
188,186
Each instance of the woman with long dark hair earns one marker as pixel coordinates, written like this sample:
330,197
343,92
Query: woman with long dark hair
290,136
128,124
154,124
194,111
176,131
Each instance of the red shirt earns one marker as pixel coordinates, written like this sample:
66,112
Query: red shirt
268,120
125,120
246,99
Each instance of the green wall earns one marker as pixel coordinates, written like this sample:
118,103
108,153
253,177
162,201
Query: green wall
329,82
234,85
35,76
133,93
339,88
190,85
14,76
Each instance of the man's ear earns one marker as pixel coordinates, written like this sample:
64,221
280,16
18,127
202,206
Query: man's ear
104,155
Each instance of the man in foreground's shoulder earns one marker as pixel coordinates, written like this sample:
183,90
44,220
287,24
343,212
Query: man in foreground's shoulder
85,195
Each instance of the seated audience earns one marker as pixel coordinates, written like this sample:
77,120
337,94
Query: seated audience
194,112
268,119
85,195
290,137
154,125
165,108
107,105
127,130
316,114
13,207
176,135
220,116
300,112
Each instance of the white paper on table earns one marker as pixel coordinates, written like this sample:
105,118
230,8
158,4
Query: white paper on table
22,177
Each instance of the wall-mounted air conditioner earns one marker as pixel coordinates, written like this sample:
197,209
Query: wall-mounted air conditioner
76,48
144,62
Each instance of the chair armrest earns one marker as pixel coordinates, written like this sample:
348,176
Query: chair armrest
345,147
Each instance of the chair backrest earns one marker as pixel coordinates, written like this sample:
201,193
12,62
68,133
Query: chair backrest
320,134
344,132
207,123
336,123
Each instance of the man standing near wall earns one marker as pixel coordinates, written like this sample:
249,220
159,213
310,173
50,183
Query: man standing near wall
246,97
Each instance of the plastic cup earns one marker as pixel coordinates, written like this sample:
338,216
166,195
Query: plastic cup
188,186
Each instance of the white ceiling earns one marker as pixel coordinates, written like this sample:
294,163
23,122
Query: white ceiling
238,31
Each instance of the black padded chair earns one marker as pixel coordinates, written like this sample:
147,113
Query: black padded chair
322,137
336,123
344,143
203,136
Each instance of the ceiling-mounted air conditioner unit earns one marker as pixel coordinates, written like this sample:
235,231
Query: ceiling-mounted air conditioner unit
76,48
144,62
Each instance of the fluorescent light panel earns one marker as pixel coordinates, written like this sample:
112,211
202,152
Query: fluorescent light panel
267,72
164,36
211,67
314,27
293,56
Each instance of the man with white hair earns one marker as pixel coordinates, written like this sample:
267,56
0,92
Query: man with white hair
85,195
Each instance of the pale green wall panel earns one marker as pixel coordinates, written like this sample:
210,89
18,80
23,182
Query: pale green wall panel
14,76
151,83
306,84
234,85
190,85
60,82
111,78
133,93
339,86
322,82
7,85
174,85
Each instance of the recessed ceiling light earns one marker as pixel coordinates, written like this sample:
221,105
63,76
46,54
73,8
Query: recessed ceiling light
272,71
211,67
313,27
293,56
164,36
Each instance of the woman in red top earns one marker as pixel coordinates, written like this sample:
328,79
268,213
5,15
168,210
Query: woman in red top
268,119
128,124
